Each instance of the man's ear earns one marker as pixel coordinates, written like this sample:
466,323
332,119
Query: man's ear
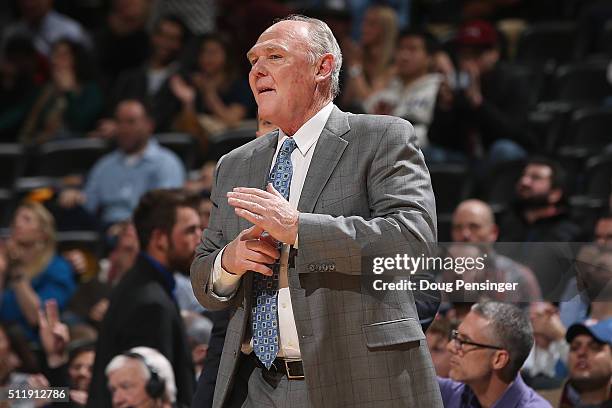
494,232
159,241
555,196
325,67
501,359
150,124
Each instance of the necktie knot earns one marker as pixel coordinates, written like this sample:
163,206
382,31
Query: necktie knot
280,177
288,146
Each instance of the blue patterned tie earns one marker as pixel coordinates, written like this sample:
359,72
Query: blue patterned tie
265,288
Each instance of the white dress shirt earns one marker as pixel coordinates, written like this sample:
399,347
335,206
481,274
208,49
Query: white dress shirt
225,283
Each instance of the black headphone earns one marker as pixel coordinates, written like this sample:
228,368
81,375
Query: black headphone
156,386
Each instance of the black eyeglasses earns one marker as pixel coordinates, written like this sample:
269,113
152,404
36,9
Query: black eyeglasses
460,342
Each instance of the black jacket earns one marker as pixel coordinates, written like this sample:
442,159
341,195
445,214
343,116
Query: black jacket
502,115
133,84
142,312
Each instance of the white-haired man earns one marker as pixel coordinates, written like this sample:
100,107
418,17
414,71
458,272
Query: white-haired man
141,378
305,333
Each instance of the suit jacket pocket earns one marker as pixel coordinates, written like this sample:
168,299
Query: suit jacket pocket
391,334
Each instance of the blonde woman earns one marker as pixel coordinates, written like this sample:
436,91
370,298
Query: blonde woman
33,271
369,64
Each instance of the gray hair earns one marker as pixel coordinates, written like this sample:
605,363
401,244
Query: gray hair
119,361
199,328
151,358
511,330
322,42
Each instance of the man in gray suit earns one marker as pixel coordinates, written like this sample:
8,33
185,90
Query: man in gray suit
294,213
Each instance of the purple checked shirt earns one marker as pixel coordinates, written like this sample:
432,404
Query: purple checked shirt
517,395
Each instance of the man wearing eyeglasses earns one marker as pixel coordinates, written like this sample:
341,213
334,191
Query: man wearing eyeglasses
488,349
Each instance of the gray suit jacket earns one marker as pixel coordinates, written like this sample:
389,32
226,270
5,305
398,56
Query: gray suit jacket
367,192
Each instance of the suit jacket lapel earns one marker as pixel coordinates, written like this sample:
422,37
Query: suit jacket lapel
328,151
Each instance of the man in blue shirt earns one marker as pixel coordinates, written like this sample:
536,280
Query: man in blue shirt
488,349
120,178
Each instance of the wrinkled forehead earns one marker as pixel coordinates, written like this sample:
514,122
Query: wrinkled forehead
287,35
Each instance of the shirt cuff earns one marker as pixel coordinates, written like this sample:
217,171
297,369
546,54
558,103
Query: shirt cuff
223,282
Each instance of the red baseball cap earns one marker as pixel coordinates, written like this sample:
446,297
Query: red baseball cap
478,33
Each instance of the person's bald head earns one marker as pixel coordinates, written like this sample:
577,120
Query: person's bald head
473,221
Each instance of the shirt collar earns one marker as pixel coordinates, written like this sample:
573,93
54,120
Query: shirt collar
164,272
148,153
309,133
513,395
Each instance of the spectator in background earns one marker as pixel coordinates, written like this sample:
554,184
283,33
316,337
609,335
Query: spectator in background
264,126
482,110
21,77
412,91
143,310
438,336
590,365
545,367
199,329
488,349
473,221
603,233
123,256
90,302
539,215
122,43
150,82
199,16
141,376
204,208
45,26
69,104
68,364
215,98
34,272
184,291
369,64
118,180
16,362
203,181
594,271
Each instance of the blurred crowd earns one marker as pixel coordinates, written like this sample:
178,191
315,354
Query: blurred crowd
114,112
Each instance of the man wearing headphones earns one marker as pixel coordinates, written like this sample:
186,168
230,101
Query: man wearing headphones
141,378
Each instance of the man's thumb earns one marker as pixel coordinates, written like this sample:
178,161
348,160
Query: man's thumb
254,232
270,188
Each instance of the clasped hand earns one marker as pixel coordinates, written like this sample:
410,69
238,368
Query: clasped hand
268,211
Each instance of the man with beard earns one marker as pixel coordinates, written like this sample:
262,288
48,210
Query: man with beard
539,216
590,365
143,309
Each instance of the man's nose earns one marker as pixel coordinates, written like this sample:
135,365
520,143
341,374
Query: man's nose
451,346
118,398
259,68
85,372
